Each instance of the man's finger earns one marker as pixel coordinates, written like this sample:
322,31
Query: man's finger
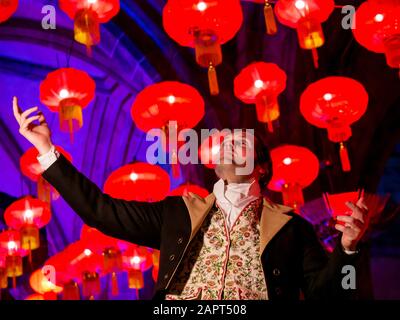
357,211
362,204
42,119
16,110
27,112
351,222
340,227
28,121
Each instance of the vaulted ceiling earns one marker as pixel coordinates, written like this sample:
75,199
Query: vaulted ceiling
135,52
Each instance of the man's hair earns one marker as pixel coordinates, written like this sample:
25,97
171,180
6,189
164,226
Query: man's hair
263,159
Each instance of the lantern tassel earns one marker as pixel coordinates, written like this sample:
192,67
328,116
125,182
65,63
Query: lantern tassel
71,131
175,165
315,57
114,284
344,157
269,16
213,80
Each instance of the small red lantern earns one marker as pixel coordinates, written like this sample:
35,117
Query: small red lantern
210,147
184,189
261,83
7,9
204,25
109,249
67,91
139,182
31,168
86,266
334,103
28,215
3,270
294,168
64,277
136,260
172,107
42,285
10,244
377,28
87,16
306,17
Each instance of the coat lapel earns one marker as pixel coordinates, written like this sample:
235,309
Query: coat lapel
273,218
198,209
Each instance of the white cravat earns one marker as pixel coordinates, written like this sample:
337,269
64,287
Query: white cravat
232,198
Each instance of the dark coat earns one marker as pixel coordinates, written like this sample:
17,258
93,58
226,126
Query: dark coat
294,261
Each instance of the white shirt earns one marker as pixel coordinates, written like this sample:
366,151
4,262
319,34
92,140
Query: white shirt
232,198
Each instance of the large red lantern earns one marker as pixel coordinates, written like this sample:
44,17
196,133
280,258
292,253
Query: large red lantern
377,28
28,215
203,25
294,168
184,189
172,107
87,16
7,9
67,91
10,245
261,83
31,168
139,182
334,103
306,17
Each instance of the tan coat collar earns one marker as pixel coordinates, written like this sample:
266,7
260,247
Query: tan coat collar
273,216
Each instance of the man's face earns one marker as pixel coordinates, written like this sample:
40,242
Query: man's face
236,157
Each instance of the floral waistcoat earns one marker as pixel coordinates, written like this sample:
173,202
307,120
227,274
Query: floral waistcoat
221,263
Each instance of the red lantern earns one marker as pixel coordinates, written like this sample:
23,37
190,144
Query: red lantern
184,189
42,285
63,275
28,215
87,16
334,103
169,106
10,244
378,28
210,147
203,25
31,168
139,182
85,265
261,83
108,247
3,270
7,9
306,17
67,91
136,260
294,168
